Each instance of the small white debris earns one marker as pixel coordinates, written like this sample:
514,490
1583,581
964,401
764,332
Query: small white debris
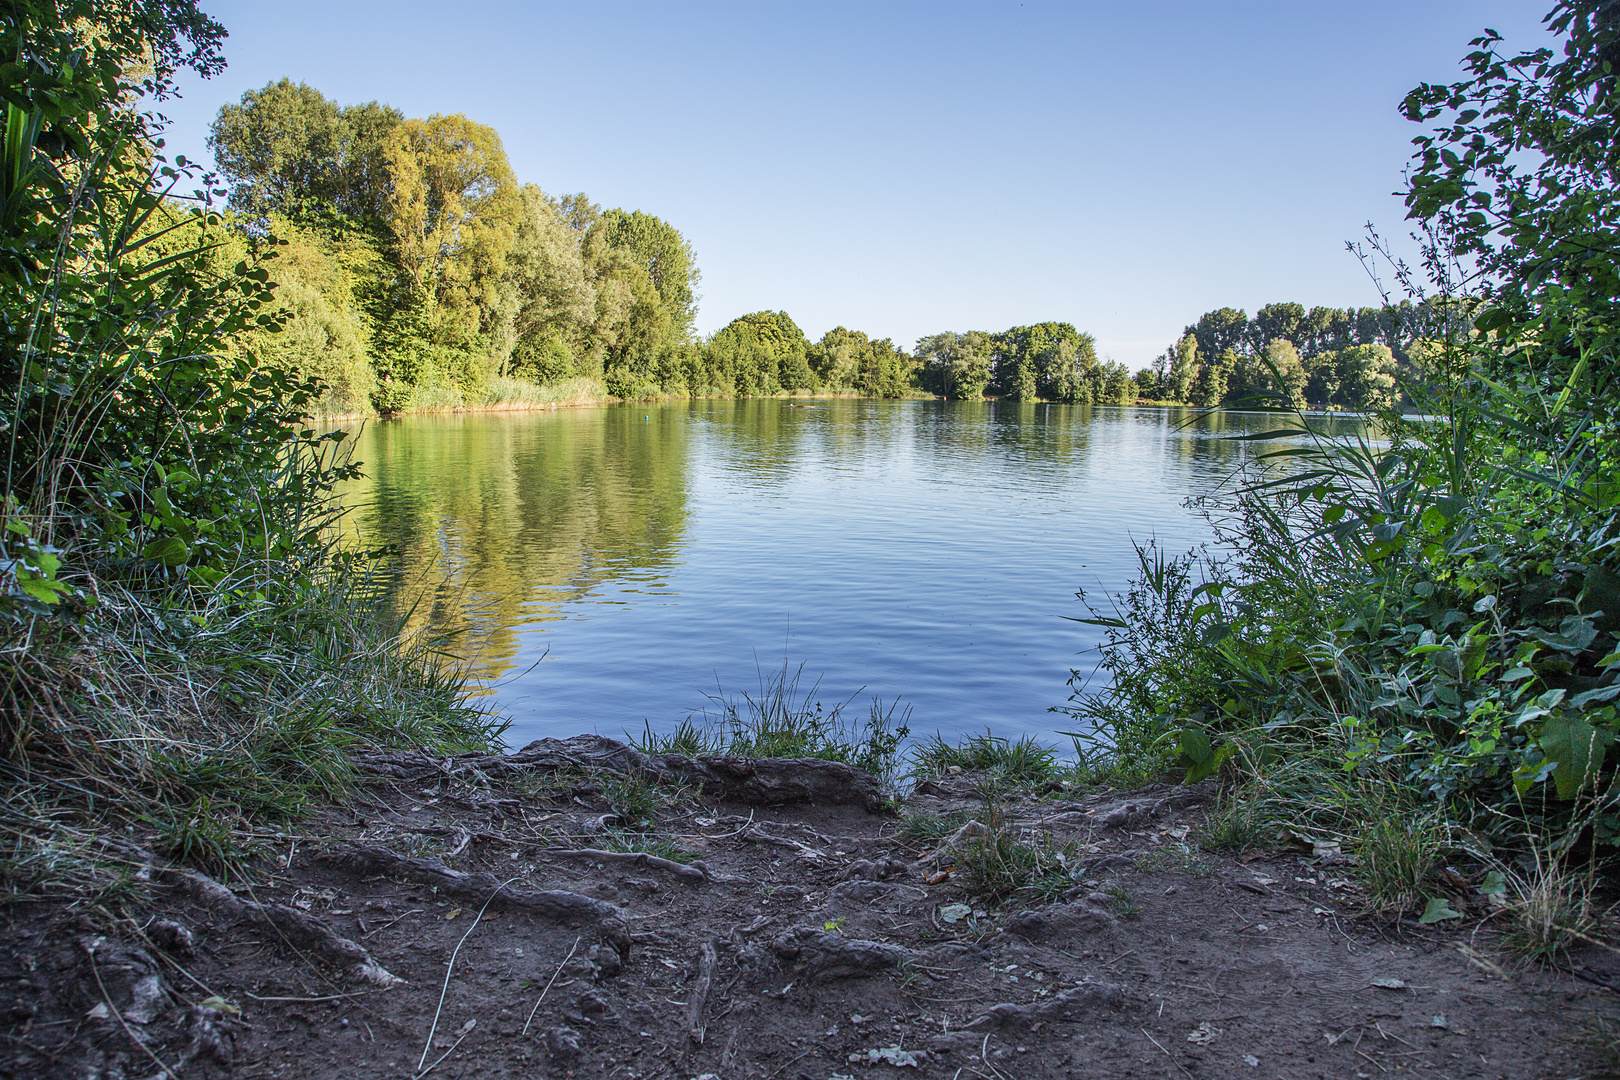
889,1055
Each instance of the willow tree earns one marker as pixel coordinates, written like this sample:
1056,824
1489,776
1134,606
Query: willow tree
453,214
454,206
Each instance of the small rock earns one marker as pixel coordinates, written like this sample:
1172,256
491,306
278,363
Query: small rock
595,1009
562,1042
861,868
147,1000
861,892
1028,924
605,961
172,937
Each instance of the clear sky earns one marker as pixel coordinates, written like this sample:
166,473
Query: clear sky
907,168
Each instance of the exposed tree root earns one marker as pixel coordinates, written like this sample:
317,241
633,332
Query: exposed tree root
825,956
752,781
639,859
551,904
698,1000
1071,1004
299,929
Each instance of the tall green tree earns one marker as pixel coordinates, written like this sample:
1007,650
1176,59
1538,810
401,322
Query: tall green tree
763,352
287,149
1285,321
659,249
1221,330
957,366
849,359
555,310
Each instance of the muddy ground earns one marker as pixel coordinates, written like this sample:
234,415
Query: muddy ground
463,919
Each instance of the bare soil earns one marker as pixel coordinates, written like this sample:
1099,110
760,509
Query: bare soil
808,944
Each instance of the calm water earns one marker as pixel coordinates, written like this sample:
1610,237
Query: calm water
606,567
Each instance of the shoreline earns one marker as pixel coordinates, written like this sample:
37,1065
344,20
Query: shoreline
543,406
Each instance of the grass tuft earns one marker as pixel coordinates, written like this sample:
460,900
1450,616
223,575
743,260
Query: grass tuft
780,720
1003,864
1397,856
1549,913
1022,762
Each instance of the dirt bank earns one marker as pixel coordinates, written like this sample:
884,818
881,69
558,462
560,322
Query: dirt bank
465,918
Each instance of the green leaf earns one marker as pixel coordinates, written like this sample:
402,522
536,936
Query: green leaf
167,550
43,589
1578,749
1438,910
1493,885
1195,745
1602,693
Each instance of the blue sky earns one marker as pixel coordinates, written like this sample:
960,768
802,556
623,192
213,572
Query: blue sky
906,168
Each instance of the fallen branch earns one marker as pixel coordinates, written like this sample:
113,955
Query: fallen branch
634,858
552,904
953,842
698,1000
299,929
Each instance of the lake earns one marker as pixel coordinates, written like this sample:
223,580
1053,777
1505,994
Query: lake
605,568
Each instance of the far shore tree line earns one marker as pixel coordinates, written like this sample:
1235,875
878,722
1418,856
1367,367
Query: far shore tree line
416,272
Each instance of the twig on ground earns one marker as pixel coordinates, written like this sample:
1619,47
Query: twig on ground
543,993
451,967
470,1025
1167,1053
107,998
637,858
391,922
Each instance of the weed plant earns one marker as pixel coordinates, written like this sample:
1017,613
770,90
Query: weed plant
1550,911
1397,856
1004,863
638,802
922,827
